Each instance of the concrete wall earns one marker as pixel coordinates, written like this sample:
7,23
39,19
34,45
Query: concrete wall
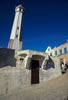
15,73
12,75
7,58
12,79
61,47
52,70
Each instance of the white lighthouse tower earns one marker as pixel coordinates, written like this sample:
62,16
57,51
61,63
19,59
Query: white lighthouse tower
15,41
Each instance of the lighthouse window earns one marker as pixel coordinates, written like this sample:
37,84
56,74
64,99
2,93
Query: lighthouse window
20,9
16,35
18,28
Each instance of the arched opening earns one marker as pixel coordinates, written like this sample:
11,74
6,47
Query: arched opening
21,59
49,64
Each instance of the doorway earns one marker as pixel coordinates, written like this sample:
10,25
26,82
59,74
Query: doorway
34,72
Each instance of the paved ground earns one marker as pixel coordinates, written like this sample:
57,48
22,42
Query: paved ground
56,89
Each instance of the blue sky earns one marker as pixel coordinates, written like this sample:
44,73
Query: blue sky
45,23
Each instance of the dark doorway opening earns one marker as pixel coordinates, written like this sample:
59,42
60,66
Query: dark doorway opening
34,72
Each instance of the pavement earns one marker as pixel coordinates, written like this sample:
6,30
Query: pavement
55,89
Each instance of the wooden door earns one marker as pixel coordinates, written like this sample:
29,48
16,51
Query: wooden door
34,72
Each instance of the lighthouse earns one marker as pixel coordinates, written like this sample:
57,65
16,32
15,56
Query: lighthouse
15,41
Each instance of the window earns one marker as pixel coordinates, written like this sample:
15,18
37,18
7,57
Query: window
18,28
65,50
60,51
50,54
16,35
56,53
21,59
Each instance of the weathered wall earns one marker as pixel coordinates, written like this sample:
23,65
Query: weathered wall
64,58
52,70
15,73
12,75
12,79
7,57
61,47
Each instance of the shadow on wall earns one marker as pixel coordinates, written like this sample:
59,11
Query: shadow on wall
49,64
35,58
7,57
